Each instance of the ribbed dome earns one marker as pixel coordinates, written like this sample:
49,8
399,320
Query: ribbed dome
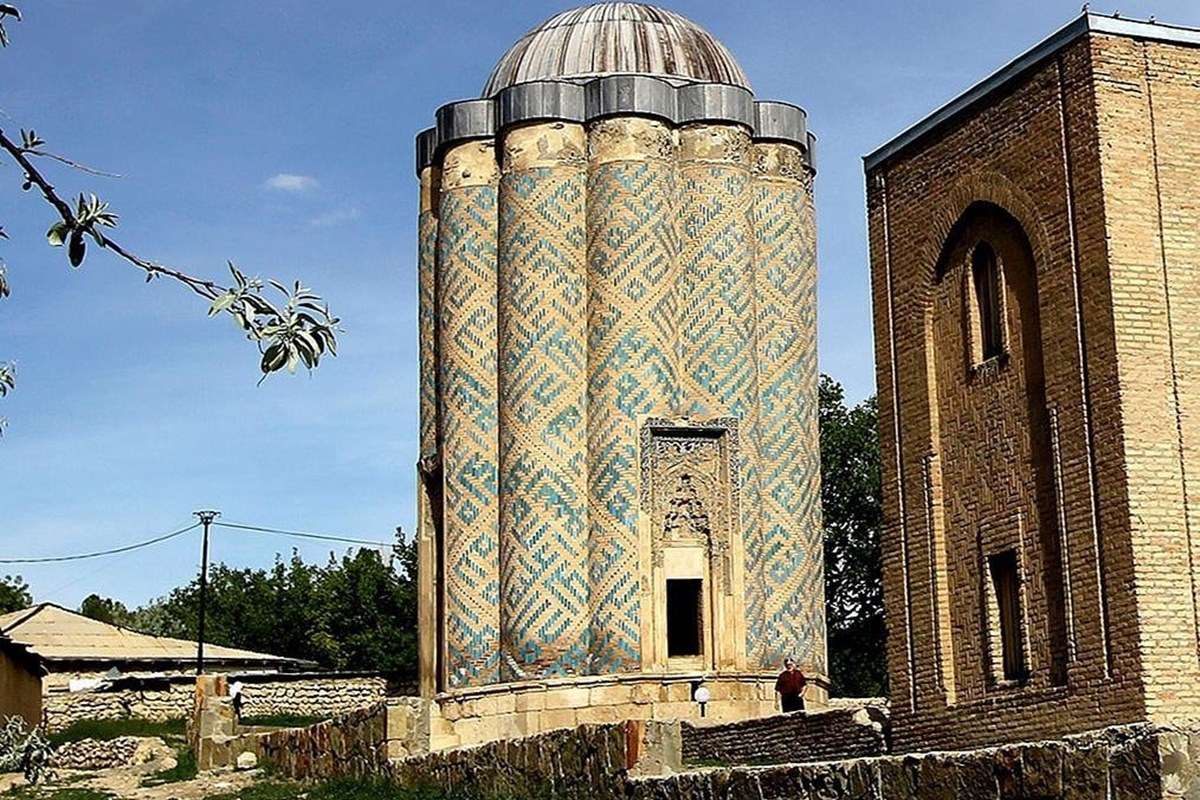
617,38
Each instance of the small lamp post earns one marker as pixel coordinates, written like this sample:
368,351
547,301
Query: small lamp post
701,695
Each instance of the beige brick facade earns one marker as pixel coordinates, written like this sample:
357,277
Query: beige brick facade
1077,449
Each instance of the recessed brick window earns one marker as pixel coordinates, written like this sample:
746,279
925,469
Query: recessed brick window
1005,616
987,300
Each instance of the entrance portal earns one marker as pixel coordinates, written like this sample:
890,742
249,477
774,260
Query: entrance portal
690,502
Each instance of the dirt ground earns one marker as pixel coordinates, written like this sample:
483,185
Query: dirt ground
130,783
127,783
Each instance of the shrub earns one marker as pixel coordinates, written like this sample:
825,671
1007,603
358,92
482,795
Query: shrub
24,750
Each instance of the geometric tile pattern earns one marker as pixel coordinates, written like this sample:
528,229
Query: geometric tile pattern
789,459
543,428
718,311
632,361
427,325
664,274
467,289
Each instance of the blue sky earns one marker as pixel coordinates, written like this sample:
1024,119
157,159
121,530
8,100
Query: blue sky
279,135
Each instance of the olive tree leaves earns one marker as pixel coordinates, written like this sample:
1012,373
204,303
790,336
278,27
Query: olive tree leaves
298,332
295,330
91,214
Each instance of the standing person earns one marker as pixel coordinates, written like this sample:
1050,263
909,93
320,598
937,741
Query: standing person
790,687
235,693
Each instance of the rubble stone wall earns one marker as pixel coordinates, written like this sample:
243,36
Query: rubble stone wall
588,762
349,745
282,694
639,760
591,761
313,698
62,709
1135,762
789,738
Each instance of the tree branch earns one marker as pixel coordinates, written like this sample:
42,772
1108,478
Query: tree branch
297,333
73,164
205,288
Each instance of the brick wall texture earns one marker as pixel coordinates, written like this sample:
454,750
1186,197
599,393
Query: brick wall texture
789,738
1078,449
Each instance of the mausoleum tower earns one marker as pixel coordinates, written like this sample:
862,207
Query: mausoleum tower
619,475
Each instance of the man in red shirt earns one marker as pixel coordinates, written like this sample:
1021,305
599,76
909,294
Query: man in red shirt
790,687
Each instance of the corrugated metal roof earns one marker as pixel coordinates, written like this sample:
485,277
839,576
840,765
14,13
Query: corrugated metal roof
614,39
57,634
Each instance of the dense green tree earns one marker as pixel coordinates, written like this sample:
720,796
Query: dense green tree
354,613
105,609
14,594
850,502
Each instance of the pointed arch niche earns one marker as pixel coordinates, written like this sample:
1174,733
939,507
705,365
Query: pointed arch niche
990,482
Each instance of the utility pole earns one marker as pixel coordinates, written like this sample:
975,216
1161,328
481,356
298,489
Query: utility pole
206,518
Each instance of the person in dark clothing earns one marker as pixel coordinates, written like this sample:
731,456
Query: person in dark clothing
790,687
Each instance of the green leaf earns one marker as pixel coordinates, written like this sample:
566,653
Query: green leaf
274,358
77,249
58,234
221,303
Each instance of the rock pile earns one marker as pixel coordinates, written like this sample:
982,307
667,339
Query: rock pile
98,754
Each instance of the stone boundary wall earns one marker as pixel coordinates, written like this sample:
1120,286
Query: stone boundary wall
1132,762
591,761
61,709
642,761
639,760
789,738
300,694
352,745
586,763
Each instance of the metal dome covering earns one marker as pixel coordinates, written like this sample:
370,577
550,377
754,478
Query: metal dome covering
617,38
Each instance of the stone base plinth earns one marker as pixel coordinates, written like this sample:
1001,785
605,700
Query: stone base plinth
468,717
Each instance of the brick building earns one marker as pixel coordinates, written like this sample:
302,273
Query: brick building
1035,268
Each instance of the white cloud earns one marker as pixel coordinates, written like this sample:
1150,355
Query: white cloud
335,217
287,182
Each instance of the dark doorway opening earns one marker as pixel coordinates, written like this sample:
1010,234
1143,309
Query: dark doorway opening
685,617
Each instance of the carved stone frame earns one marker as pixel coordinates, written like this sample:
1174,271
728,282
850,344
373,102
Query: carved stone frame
721,544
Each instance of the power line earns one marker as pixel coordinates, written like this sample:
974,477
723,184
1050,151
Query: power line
303,534
192,527
99,553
